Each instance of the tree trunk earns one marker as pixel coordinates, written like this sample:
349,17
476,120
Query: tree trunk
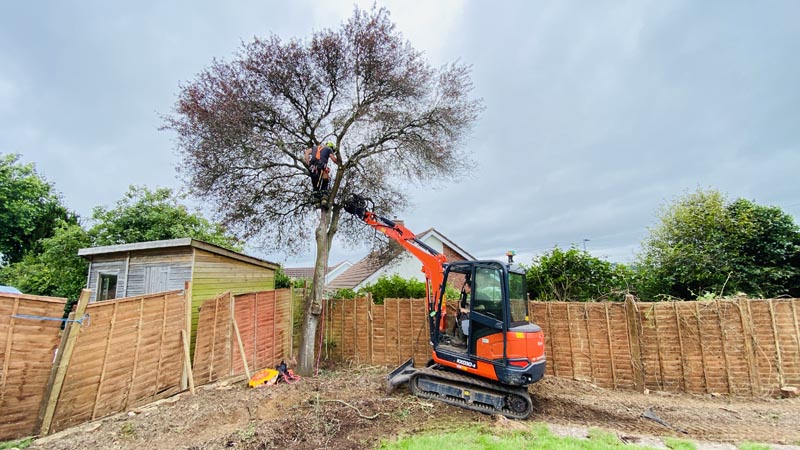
314,301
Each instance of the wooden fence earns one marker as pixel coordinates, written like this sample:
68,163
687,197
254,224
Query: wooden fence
263,321
129,355
387,334
26,356
739,347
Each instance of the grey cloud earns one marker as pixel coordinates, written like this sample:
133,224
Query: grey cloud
596,113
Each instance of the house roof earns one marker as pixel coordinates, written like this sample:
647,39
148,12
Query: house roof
370,264
173,243
307,272
357,273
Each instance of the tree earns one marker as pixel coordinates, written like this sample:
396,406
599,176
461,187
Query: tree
30,209
243,127
575,275
145,215
704,243
56,270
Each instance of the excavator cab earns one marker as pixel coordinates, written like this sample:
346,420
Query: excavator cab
487,332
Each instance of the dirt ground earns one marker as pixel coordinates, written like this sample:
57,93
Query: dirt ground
347,408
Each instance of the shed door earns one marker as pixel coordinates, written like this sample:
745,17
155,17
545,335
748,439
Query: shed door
156,279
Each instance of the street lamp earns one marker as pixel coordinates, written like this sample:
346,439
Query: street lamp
584,243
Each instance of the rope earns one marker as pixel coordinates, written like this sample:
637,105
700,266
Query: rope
85,318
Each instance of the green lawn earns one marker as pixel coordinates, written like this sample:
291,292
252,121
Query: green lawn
477,438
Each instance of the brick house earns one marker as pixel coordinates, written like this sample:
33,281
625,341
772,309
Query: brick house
397,261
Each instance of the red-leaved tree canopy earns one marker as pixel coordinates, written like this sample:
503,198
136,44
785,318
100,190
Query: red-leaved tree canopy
243,126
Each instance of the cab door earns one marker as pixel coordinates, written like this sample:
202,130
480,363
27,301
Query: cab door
487,308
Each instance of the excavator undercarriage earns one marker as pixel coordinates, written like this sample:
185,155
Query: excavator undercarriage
440,383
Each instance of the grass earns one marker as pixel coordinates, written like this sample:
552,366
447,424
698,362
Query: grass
20,444
478,438
752,446
679,444
128,430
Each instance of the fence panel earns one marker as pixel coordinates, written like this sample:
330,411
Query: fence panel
264,320
27,349
129,355
742,347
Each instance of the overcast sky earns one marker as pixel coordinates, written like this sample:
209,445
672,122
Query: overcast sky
596,112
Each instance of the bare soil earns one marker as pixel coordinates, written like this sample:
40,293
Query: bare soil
347,408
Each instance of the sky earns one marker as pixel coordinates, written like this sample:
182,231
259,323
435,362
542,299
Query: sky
597,113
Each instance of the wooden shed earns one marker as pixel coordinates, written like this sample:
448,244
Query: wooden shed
126,270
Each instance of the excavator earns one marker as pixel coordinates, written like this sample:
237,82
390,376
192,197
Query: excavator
488,366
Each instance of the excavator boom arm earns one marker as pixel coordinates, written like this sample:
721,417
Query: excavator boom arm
432,261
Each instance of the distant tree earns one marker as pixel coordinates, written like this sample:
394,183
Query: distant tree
705,244
576,275
243,127
30,209
56,269
145,215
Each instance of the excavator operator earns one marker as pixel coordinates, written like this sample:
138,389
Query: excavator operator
462,318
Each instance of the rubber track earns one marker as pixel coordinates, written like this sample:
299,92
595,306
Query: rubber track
466,381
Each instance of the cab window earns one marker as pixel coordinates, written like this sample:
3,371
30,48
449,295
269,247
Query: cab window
488,292
518,297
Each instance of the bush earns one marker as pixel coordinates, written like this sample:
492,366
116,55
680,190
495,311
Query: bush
341,294
394,287
282,281
575,275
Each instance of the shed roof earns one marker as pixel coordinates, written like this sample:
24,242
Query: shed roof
173,243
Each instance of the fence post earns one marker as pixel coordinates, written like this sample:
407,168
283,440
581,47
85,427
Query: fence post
50,397
187,298
635,342
371,329
747,336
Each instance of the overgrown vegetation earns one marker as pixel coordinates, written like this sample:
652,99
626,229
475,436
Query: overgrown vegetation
40,238
394,286
704,243
703,246
282,281
576,275
30,209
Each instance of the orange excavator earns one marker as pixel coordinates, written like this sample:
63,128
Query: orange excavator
485,360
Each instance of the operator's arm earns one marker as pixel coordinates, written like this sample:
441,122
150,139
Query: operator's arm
307,156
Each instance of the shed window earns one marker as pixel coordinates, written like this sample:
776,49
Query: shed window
107,287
